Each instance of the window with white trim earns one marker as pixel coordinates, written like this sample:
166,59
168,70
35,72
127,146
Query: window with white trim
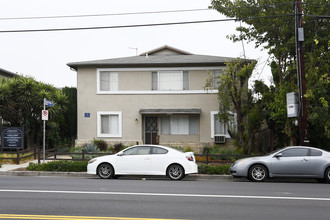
170,80
218,127
216,78
109,124
180,124
107,81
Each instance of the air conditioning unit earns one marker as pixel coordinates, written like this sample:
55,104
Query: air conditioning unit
219,139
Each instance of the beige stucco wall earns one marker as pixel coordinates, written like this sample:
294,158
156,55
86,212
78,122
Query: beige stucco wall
130,104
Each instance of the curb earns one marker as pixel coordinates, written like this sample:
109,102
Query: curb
84,174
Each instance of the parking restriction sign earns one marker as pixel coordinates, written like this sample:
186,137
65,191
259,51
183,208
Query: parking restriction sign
44,115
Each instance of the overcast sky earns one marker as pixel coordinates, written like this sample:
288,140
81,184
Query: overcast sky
44,55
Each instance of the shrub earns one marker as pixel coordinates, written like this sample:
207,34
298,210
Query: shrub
101,144
221,151
118,147
188,149
88,148
91,148
218,169
60,166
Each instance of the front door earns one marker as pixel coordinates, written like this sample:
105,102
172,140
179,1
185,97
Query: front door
151,130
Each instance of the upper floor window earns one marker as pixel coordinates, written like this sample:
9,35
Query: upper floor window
107,81
170,80
216,78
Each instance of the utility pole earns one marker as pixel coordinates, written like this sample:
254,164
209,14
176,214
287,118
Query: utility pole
302,118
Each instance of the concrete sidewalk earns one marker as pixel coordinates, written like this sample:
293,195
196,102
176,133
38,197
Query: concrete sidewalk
11,170
9,167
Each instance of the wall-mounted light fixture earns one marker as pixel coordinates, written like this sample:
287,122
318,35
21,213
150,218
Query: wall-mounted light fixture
136,120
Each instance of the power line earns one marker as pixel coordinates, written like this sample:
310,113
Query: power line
103,15
141,25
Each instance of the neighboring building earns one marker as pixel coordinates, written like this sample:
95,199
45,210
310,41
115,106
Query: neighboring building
6,74
154,98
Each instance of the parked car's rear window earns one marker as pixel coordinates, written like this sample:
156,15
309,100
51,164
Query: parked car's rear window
158,150
316,152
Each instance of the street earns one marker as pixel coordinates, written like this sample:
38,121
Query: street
157,198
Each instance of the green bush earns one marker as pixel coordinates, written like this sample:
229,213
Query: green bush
218,169
101,144
60,166
215,150
118,147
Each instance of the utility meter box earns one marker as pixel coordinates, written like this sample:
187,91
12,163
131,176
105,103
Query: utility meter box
292,104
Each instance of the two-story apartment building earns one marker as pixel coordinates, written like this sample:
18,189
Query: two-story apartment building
6,74
154,98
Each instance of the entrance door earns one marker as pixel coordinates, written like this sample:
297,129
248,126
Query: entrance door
151,130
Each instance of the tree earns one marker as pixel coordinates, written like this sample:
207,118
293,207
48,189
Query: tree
69,125
318,94
21,103
270,24
235,103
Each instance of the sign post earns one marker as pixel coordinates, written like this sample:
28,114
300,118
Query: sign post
44,116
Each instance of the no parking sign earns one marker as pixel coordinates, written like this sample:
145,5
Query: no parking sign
44,114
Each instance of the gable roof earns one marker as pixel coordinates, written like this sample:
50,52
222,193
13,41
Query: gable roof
6,73
165,48
157,58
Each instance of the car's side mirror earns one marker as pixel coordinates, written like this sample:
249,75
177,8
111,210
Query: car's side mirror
279,155
120,154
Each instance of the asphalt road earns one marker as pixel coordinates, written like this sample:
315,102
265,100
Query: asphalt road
88,198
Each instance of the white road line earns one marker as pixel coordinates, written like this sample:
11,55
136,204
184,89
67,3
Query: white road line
166,194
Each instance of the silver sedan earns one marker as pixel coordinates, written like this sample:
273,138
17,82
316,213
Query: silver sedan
294,161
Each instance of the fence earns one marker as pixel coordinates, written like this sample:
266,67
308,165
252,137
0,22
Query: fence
218,158
54,154
21,154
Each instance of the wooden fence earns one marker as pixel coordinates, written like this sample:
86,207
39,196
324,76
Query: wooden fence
20,155
55,154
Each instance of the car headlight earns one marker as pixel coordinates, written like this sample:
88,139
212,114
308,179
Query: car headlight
91,161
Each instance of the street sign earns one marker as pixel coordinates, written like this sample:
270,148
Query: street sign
49,103
44,115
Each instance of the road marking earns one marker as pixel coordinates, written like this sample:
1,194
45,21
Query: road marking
15,216
167,194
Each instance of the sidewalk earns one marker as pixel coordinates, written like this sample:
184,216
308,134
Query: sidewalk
9,170
9,167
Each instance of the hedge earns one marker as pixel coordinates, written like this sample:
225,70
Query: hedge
60,166
81,166
218,169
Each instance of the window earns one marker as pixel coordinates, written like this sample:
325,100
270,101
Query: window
158,150
295,152
180,124
142,150
216,78
109,124
107,81
220,128
316,153
170,80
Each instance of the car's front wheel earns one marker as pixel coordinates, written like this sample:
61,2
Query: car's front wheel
175,172
105,171
258,173
327,175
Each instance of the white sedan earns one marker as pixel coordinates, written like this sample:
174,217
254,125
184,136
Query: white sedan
144,160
